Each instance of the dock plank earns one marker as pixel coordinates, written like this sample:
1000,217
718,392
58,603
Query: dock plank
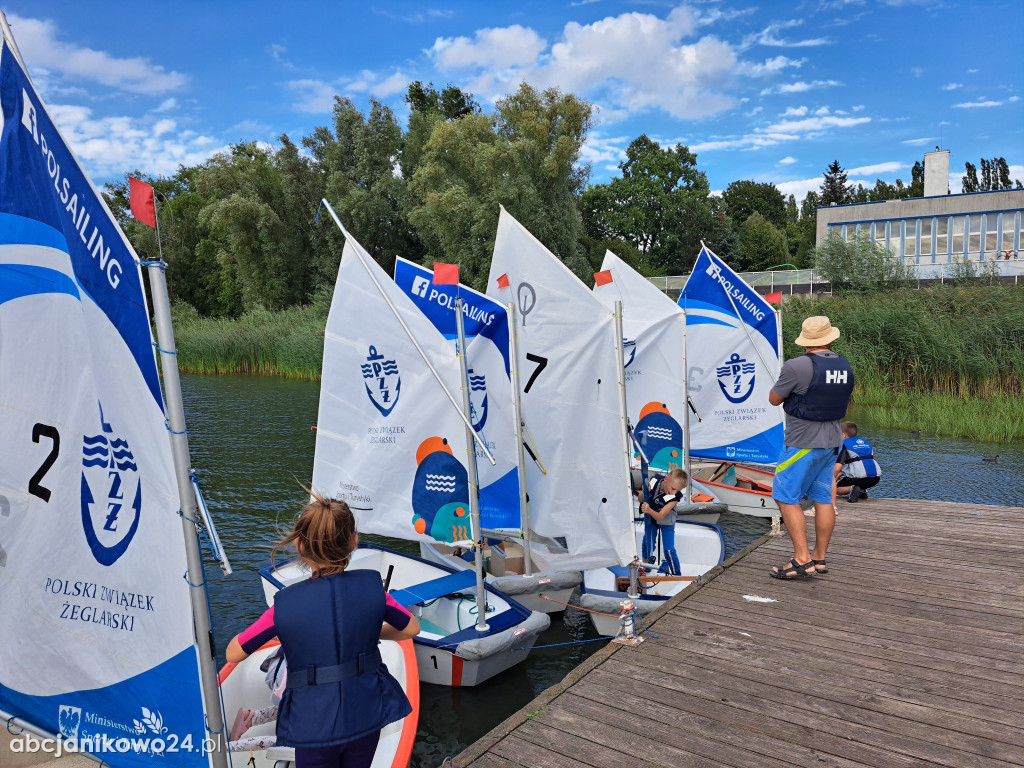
907,652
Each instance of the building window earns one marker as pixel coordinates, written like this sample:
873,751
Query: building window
880,234
910,237
864,230
991,233
958,235
896,238
942,237
926,238
1009,232
974,234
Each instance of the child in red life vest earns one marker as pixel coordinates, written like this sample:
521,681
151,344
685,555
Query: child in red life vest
338,695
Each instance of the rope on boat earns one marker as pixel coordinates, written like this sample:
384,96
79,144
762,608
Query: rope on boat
578,607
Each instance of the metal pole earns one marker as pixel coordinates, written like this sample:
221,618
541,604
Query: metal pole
9,37
620,357
408,333
474,482
686,417
524,501
179,448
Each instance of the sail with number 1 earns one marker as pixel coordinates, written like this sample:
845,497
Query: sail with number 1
96,609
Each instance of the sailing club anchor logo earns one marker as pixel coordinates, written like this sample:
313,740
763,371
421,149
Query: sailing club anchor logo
736,378
111,493
382,381
628,351
477,407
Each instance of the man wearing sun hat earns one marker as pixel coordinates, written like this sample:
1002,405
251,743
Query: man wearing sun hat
814,391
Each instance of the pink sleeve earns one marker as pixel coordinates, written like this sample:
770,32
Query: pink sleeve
259,632
394,614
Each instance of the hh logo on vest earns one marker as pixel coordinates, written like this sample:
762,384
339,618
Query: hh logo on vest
477,407
736,378
382,382
835,377
111,493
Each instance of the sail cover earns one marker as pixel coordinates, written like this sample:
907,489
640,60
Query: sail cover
653,327
734,355
388,439
570,403
490,390
95,612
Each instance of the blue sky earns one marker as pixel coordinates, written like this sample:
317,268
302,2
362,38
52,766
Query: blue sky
770,92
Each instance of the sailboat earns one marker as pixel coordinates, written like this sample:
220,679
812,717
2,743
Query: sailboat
106,627
654,339
396,445
735,355
571,351
496,418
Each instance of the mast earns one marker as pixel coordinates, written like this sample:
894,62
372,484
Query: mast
624,413
187,497
686,419
524,501
474,483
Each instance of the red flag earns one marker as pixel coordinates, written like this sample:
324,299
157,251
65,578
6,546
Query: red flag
603,278
140,194
773,298
446,274
503,281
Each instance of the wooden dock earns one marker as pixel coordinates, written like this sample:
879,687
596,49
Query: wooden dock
908,652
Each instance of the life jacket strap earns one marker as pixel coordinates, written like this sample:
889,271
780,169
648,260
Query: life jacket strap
336,673
855,459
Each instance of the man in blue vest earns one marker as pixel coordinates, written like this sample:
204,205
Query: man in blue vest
814,390
856,469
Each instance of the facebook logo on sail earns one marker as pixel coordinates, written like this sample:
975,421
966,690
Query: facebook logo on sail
835,377
419,286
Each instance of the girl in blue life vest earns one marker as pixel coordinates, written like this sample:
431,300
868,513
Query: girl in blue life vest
338,695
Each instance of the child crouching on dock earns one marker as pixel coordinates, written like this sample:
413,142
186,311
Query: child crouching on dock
665,494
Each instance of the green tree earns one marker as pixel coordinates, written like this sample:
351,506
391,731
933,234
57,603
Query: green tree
970,179
743,198
525,157
760,244
660,204
834,189
859,266
428,107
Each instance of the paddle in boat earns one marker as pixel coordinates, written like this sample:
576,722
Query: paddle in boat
107,642
496,416
396,445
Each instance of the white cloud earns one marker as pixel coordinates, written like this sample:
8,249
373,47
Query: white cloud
513,46
799,188
1014,98
821,111
871,170
770,66
795,112
371,83
108,146
786,161
39,44
816,124
769,37
952,86
858,108
578,3
800,87
609,150
314,96
919,142
978,103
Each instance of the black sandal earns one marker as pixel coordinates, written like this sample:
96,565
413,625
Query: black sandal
792,570
819,566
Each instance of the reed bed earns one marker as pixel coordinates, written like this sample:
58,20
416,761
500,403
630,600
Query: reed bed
288,343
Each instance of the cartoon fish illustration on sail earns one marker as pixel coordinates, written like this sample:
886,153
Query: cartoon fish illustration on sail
440,493
660,436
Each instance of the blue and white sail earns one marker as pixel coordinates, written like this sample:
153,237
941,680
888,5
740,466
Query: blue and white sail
654,328
734,352
492,413
577,475
95,612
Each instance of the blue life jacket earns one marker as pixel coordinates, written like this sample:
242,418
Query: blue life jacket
338,688
828,394
862,458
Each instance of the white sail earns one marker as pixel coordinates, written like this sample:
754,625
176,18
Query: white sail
487,350
570,403
734,352
389,441
95,613
653,327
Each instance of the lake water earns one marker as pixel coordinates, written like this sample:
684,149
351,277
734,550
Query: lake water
252,445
